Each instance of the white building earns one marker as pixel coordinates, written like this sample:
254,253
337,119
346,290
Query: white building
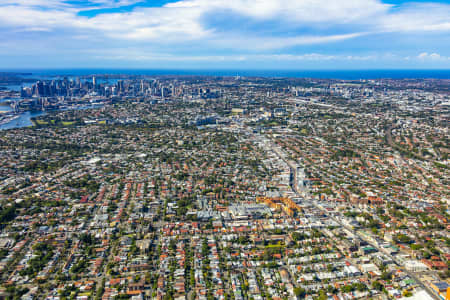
415,266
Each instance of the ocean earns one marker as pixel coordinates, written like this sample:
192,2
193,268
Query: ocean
321,74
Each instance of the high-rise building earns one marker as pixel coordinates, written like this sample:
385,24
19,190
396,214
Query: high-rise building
38,89
120,87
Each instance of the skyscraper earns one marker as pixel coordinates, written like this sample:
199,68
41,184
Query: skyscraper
120,86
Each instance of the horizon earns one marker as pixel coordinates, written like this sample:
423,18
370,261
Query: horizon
348,74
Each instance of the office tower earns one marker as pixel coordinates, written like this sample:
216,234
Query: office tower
120,86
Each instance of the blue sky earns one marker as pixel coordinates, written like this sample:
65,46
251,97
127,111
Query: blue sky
236,34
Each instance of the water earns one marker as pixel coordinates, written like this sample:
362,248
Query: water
23,121
14,87
5,107
25,118
331,74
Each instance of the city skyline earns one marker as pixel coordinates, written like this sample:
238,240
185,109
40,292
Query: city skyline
225,34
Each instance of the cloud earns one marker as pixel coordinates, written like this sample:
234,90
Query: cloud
248,28
174,23
417,17
139,55
298,11
150,24
36,3
431,56
262,43
22,17
112,3
184,20
76,4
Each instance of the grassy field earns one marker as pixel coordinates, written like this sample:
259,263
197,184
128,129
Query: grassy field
41,122
67,123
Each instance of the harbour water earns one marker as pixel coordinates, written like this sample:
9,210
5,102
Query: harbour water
24,120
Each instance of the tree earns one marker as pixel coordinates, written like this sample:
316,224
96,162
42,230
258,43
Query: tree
385,276
407,293
297,236
322,295
402,238
377,286
416,246
7,214
330,268
299,292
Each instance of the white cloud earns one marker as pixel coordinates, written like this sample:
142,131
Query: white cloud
417,17
155,24
262,43
80,4
142,56
297,11
35,3
183,22
27,17
431,56
173,23
112,3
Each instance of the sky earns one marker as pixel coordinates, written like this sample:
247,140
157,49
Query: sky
225,34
